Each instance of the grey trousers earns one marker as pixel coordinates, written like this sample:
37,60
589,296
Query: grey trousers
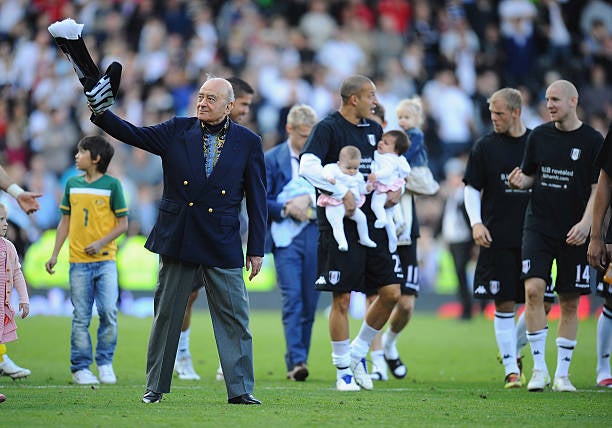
229,309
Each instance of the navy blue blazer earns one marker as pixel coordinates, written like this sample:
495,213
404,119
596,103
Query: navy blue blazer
278,174
198,217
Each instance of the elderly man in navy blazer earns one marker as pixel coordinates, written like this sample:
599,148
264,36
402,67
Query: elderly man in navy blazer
209,163
292,238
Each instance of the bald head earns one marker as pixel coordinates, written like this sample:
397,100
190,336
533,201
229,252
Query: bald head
561,102
221,86
565,88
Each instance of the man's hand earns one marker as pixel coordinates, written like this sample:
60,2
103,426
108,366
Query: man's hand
481,235
93,248
298,208
103,94
253,263
578,234
518,180
28,203
393,197
100,98
596,253
349,204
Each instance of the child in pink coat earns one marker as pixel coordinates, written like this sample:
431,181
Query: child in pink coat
10,276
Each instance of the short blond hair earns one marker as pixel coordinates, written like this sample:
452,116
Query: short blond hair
301,115
413,105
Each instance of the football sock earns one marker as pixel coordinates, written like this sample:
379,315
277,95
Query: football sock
183,345
341,354
565,349
503,323
520,331
378,360
361,344
389,339
604,343
537,342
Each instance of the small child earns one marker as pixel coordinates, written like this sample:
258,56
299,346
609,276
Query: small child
346,172
10,276
420,181
389,171
94,213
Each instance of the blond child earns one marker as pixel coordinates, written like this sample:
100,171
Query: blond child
10,276
346,172
389,171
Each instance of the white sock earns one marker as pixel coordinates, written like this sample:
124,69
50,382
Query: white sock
503,323
537,342
378,360
361,344
341,354
520,331
604,344
183,345
389,340
565,349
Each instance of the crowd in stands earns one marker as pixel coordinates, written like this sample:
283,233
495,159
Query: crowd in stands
452,53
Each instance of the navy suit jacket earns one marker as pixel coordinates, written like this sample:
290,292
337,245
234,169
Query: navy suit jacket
198,218
278,174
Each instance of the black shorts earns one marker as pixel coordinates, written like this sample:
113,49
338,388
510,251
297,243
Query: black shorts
498,275
360,268
410,268
539,251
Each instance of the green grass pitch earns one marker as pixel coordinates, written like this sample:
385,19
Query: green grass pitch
453,379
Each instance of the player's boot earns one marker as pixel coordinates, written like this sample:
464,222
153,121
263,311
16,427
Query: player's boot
563,384
540,379
512,381
360,372
346,382
183,366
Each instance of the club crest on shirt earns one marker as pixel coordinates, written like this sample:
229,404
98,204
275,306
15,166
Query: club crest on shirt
334,276
526,265
372,139
575,154
494,287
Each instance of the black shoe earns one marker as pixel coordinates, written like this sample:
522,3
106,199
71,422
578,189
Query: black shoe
244,399
151,397
396,365
299,373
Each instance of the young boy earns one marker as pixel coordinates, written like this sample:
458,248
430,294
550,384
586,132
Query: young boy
95,213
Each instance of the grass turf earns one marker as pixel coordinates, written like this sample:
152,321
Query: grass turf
453,379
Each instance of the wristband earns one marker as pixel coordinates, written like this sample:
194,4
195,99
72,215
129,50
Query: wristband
14,190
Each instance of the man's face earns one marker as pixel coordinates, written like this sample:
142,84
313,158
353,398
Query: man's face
298,135
366,100
242,108
501,116
213,104
559,103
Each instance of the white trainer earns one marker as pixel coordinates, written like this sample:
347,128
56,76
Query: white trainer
9,368
346,383
379,373
107,374
183,366
360,372
563,384
540,379
85,377
219,376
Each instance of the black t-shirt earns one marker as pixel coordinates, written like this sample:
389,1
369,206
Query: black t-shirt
334,132
563,164
604,161
491,160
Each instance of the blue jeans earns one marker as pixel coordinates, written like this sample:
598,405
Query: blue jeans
296,269
91,282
